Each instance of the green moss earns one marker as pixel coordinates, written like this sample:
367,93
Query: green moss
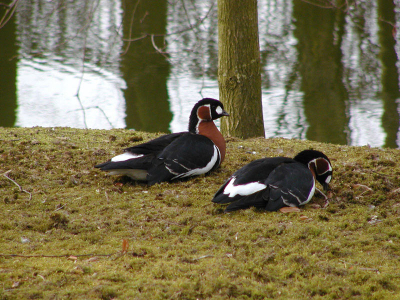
181,246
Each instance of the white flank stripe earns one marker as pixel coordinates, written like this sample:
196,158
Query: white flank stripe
310,195
204,170
295,196
125,156
242,189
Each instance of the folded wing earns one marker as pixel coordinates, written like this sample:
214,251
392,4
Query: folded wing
190,155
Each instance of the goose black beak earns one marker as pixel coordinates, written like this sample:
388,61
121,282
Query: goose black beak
224,113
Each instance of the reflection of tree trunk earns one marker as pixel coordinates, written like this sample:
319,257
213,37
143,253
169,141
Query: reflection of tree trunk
321,71
390,74
144,70
239,70
8,74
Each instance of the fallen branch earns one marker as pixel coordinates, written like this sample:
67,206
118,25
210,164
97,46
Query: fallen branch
55,256
367,188
362,186
5,174
125,246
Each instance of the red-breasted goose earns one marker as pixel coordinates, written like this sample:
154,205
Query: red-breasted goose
177,155
273,183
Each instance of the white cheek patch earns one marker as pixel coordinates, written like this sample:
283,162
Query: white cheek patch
243,189
310,195
328,179
125,156
219,110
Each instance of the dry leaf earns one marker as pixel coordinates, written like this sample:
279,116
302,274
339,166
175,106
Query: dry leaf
125,246
396,191
41,276
72,257
289,209
94,258
362,186
303,218
315,206
15,284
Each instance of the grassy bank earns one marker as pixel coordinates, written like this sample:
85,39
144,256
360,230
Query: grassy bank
70,231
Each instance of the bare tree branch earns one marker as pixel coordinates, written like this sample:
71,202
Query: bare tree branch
9,12
130,29
89,20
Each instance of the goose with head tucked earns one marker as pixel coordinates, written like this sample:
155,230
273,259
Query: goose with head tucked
277,182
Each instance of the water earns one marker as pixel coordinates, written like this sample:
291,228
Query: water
328,74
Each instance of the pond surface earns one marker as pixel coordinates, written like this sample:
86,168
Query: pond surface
329,74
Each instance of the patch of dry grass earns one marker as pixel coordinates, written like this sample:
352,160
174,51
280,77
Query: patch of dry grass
181,246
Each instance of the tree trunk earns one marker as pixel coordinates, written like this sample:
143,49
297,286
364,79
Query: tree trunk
239,74
390,74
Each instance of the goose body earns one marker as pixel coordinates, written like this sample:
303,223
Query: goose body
273,183
178,155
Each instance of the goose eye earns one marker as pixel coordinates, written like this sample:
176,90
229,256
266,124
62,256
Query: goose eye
218,110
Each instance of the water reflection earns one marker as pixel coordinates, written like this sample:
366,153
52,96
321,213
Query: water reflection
144,69
67,71
329,74
321,72
8,67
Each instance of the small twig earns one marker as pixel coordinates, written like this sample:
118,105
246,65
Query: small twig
124,251
367,188
134,40
332,5
369,269
189,28
89,20
130,30
105,193
97,107
13,181
61,207
381,174
80,102
396,191
9,12
203,256
158,49
326,198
